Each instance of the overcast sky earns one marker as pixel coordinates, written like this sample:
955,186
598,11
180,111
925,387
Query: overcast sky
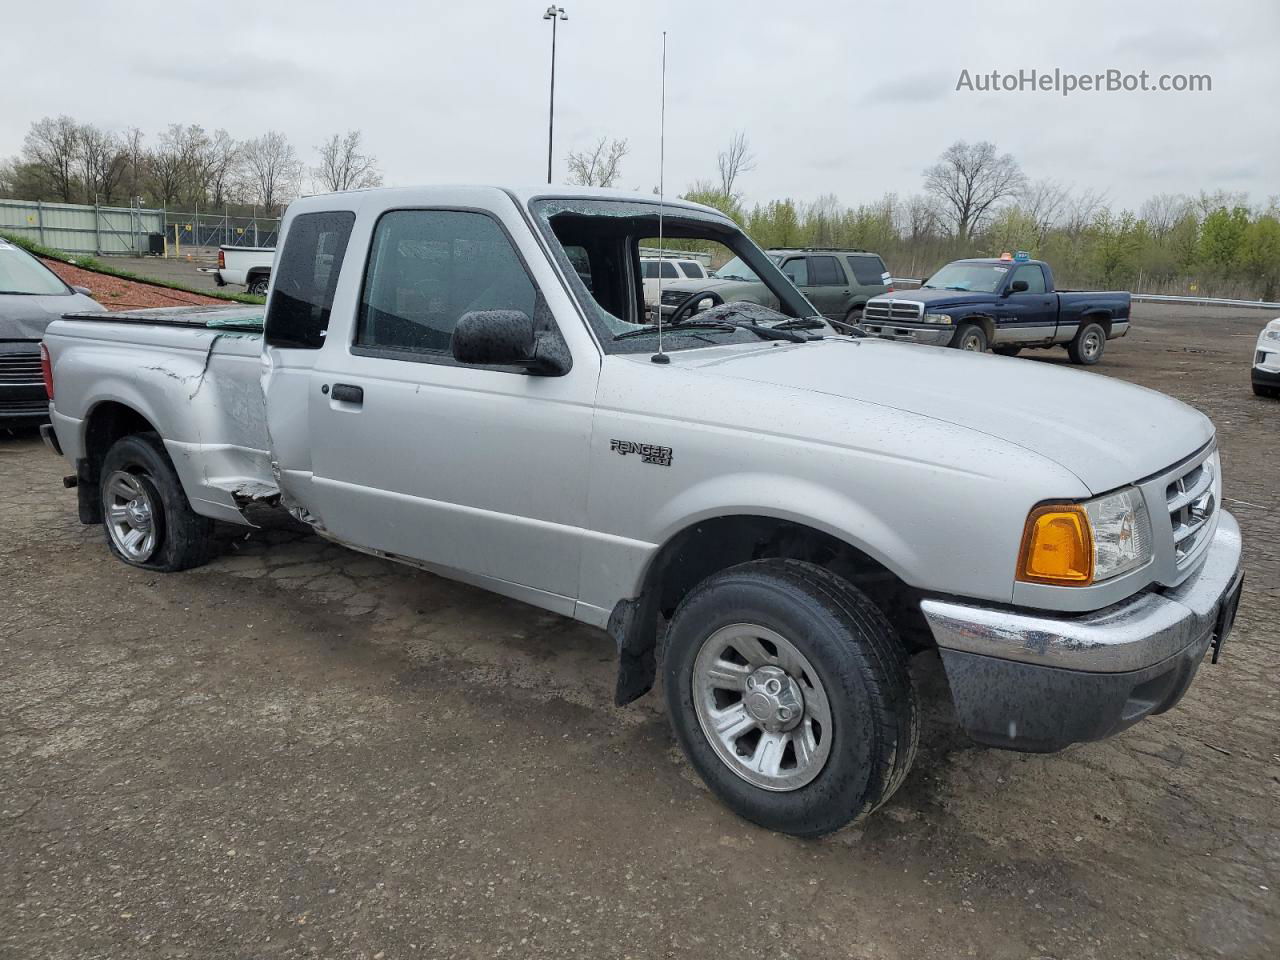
850,98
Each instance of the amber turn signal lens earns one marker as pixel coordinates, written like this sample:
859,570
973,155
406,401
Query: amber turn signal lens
1057,546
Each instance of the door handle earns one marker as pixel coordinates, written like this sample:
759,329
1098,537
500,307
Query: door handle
348,393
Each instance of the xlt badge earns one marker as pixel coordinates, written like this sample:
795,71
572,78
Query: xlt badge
649,452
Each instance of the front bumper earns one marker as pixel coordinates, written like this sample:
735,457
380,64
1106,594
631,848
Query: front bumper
1039,682
938,334
1262,377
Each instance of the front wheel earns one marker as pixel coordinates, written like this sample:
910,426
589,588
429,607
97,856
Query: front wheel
1088,344
789,693
972,338
148,519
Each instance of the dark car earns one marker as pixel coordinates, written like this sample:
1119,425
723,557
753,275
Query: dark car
1003,304
838,282
31,295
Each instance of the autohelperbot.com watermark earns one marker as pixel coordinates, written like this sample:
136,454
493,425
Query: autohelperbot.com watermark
1066,83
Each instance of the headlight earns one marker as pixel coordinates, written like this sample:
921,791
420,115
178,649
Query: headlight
1077,544
937,318
1271,334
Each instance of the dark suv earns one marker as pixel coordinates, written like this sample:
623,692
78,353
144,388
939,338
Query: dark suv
837,282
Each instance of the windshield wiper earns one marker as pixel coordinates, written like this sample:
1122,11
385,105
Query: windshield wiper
764,333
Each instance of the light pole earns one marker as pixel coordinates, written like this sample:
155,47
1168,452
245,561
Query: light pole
553,14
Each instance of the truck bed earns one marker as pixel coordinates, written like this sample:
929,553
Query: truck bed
195,373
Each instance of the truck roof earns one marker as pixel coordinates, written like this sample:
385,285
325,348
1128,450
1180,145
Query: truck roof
480,192
997,261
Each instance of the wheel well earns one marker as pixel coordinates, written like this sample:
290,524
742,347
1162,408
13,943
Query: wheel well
707,547
257,273
986,323
1102,319
106,424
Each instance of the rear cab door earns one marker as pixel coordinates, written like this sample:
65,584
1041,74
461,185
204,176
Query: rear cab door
478,471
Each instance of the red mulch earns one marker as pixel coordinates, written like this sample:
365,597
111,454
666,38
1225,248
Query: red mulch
115,293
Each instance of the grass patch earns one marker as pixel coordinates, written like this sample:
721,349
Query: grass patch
94,265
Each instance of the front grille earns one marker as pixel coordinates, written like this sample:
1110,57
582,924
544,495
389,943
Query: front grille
1193,510
673,298
20,368
892,310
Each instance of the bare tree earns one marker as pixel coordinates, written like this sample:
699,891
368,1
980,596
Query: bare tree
135,158
918,218
1044,202
1162,211
168,165
734,161
272,169
969,180
219,164
1082,210
343,167
53,147
599,167
101,163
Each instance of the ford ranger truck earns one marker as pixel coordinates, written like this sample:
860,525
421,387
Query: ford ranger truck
1005,305
461,379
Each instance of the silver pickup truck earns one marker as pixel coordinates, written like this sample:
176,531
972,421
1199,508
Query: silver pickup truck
768,514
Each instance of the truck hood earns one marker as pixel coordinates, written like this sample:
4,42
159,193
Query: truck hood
933,299
24,317
711,283
1107,432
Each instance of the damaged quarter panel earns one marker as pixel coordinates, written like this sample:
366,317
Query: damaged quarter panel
199,388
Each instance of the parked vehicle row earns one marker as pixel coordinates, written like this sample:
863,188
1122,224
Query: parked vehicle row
463,379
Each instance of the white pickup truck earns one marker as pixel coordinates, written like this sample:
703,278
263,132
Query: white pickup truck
248,267
771,515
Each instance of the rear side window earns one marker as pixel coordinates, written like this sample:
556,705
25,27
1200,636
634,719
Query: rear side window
429,267
650,268
306,276
869,270
825,272
692,270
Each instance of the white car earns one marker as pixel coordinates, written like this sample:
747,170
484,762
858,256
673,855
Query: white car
249,267
668,268
1266,361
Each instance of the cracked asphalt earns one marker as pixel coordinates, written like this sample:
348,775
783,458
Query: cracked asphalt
301,751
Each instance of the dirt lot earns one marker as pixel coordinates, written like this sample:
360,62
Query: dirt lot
300,751
116,293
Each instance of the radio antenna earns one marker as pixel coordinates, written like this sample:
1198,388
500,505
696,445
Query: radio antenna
661,357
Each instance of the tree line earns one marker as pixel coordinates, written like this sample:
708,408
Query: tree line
976,201
184,167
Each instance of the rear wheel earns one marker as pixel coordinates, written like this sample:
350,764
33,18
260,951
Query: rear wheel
1089,343
258,286
789,693
148,520
972,338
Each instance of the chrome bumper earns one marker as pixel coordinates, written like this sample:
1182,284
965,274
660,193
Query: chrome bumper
937,334
1035,681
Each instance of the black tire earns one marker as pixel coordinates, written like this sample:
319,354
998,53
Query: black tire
1088,345
184,539
1007,351
1261,390
862,669
258,286
971,337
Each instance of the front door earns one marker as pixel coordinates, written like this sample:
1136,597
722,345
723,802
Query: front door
1029,315
477,470
828,288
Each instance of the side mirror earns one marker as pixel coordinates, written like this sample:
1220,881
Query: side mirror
1018,286
84,290
507,338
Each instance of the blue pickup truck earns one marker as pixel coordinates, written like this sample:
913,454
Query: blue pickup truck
1003,304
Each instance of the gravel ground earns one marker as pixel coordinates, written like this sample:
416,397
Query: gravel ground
300,751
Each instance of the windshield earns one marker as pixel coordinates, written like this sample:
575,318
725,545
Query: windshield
596,243
735,269
976,277
22,273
